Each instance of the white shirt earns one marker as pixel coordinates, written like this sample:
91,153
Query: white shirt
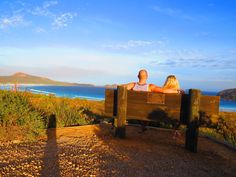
141,87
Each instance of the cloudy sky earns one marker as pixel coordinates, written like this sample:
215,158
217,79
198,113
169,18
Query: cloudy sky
108,41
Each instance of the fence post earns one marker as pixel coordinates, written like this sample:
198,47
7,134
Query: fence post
191,139
121,112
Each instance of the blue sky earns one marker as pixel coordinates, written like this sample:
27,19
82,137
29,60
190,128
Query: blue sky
108,41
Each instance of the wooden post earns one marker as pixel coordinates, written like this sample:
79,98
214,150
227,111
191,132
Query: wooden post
191,139
121,112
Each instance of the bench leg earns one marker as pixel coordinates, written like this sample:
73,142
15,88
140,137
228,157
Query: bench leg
120,132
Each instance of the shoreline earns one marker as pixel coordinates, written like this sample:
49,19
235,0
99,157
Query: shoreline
227,106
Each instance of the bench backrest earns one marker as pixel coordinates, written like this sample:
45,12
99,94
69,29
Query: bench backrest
158,106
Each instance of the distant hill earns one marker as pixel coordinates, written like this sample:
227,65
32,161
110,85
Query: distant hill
22,78
113,86
229,94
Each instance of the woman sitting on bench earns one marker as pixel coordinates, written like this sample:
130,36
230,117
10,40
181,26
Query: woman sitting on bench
172,83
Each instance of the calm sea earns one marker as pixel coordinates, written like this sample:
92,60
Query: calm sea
98,93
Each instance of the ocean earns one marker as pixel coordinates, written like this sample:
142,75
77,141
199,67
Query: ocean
98,93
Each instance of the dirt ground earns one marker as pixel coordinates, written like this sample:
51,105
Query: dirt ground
93,151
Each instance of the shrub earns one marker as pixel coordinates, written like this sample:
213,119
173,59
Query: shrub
15,111
68,111
28,114
227,128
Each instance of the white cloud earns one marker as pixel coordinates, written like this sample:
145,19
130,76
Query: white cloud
63,20
132,44
64,73
48,4
41,12
167,11
44,9
117,67
40,30
173,12
105,21
12,21
59,21
192,59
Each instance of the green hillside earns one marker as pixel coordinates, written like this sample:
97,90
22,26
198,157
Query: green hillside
22,78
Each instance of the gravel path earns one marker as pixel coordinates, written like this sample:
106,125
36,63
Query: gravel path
93,151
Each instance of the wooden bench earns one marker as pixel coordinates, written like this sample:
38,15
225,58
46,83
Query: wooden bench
185,109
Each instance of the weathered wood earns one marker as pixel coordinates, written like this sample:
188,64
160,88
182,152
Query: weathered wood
137,97
191,139
173,100
209,104
110,102
148,103
121,112
155,98
143,111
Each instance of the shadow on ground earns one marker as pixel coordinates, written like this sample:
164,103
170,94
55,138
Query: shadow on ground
155,153
50,165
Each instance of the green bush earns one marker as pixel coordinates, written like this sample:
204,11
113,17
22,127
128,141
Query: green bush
68,112
67,116
15,111
25,115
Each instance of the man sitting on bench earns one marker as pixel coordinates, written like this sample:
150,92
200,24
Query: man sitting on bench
142,85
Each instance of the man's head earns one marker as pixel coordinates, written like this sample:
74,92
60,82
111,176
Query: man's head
142,75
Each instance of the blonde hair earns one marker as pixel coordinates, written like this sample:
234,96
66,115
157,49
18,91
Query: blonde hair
171,83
